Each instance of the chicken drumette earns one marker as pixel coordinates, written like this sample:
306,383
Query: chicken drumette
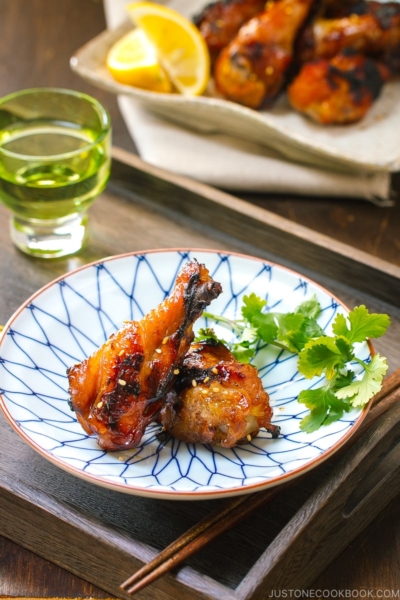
251,70
372,28
220,21
216,399
340,90
119,389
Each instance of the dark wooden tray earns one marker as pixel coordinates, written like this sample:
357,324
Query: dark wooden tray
104,536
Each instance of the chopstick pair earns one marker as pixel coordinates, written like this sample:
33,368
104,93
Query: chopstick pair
196,538
234,511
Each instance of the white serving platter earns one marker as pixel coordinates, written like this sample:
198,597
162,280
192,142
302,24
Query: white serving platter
373,144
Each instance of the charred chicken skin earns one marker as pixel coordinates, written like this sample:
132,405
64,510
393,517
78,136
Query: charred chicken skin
340,90
216,399
251,70
374,30
220,21
119,389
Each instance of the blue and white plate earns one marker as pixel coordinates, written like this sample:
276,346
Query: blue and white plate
68,319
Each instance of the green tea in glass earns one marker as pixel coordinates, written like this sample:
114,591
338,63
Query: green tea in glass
54,161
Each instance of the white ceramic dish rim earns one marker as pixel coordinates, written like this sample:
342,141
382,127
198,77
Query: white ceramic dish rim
169,494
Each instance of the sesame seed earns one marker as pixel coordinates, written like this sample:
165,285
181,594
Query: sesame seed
121,353
269,70
126,321
249,437
225,391
215,370
176,371
215,389
99,404
121,382
158,350
165,340
206,379
205,392
194,383
120,458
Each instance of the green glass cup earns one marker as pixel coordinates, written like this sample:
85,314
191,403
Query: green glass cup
55,154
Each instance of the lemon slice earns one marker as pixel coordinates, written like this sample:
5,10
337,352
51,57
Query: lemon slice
133,61
181,49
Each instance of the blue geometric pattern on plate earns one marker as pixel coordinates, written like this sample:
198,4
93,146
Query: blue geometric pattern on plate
66,321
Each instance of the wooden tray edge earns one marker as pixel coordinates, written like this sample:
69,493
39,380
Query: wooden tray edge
275,234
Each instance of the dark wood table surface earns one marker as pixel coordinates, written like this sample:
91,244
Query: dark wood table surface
37,38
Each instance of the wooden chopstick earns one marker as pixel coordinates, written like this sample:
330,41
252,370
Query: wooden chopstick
232,514
234,511
183,541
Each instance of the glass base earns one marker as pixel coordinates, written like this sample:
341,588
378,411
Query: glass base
50,238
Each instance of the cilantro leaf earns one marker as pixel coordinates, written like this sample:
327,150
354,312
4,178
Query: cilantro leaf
314,420
324,354
341,380
266,327
346,349
252,306
264,323
288,322
249,334
309,308
297,339
325,408
363,325
207,333
242,353
361,391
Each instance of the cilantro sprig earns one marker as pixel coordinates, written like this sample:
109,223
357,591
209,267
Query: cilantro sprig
319,354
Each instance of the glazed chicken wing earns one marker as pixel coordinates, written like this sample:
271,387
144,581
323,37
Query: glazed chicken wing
216,399
252,68
220,21
119,389
340,90
374,30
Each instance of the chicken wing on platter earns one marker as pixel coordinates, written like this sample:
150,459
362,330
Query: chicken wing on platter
374,31
216,399
220,21
251,70
340,90
119,389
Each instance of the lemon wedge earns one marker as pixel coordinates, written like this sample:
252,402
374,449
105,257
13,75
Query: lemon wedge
181,49
133,61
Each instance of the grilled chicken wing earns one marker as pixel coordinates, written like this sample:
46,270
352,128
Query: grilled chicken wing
119,389
373,30
216,399
220,21
340,90
252,68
